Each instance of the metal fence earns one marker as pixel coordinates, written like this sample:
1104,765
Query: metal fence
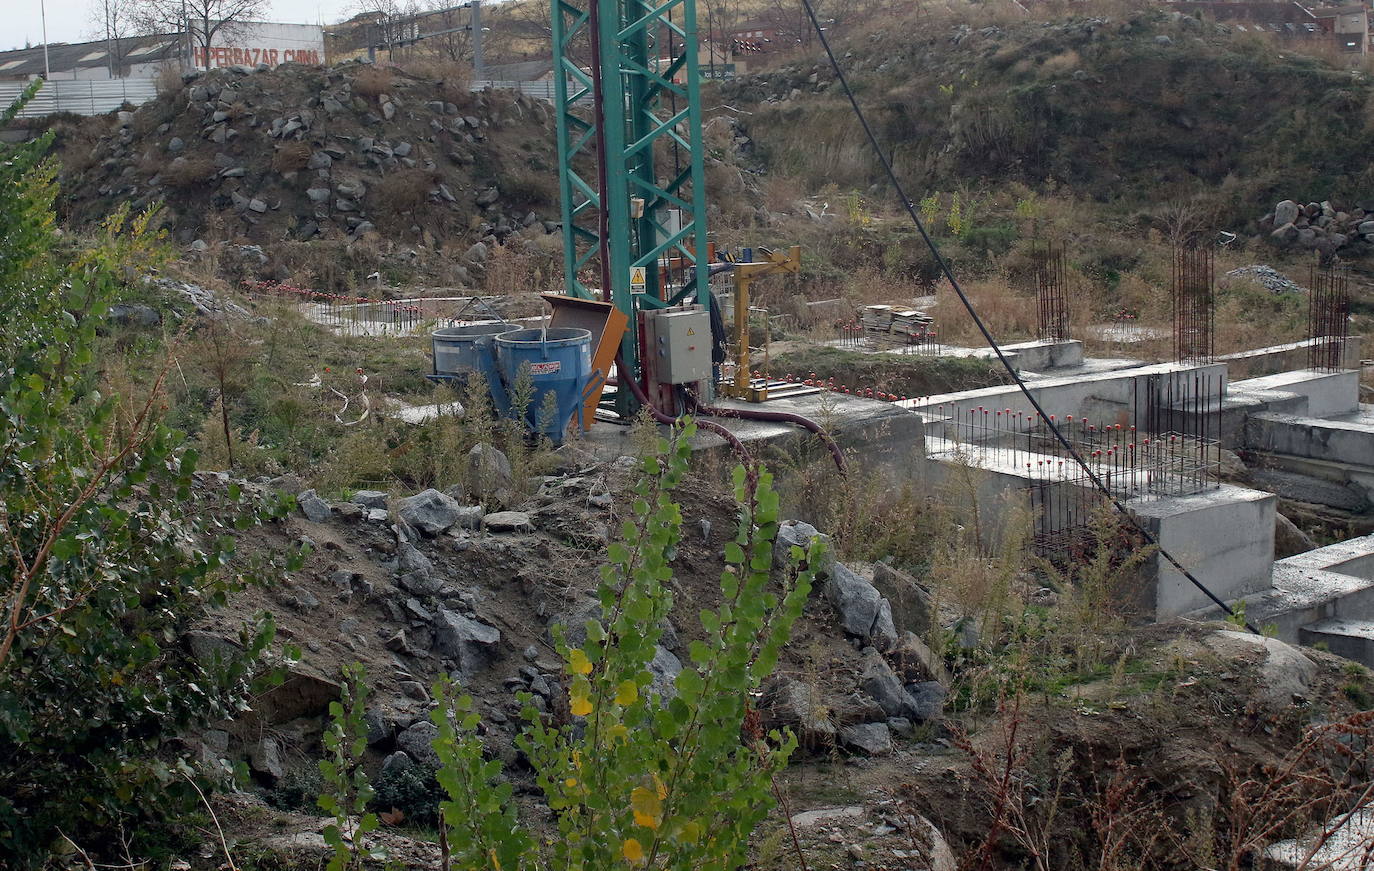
540,90
81,97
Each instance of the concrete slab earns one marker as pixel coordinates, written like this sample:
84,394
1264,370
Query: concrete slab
1285,357
1034,355
1125,333
1353,639
1332,582
1089,366
1109,396
877,437
1040,355
1342,845
1344,440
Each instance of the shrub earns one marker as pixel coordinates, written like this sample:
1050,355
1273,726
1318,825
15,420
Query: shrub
372,82
530,186
413,791
108,553
404,191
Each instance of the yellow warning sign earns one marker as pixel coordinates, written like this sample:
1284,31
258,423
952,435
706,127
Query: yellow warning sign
637,279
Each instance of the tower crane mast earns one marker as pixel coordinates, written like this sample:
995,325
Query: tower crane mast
627,94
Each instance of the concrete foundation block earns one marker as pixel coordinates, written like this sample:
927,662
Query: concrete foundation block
1225,537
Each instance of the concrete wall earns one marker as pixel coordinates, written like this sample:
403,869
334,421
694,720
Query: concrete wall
1283,358
1039,356
1328,393
256,42
1349,442
1329,583
1107,397
1225,537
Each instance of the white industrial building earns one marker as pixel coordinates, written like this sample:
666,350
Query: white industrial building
142,57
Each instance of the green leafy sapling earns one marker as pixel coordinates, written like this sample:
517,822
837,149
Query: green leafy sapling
641,772
348,789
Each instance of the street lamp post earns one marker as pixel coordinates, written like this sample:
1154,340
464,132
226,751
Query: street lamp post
43,14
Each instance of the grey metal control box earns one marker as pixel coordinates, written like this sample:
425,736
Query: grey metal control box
681,345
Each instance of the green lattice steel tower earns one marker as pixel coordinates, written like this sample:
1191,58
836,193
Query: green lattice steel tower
649,126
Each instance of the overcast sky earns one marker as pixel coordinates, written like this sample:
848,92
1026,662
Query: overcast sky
71,20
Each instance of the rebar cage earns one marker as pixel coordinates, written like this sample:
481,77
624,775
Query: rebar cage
1051,307
1194,304
1328,318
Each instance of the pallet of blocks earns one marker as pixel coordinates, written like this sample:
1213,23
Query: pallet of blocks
876,318
910,322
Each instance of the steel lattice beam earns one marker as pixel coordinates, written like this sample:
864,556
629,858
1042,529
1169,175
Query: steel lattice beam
637,49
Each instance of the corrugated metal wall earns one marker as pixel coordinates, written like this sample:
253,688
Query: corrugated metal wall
82,97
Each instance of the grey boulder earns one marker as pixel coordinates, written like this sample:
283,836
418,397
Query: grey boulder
313,507
795,533
415,572
467,642
430,511
872,739
418,743
862,609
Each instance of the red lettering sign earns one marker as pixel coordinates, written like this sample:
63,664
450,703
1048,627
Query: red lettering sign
226,56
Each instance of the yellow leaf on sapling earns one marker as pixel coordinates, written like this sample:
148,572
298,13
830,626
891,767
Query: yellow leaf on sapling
578,662
647,807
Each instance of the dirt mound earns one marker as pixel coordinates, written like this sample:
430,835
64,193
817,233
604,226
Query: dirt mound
309,153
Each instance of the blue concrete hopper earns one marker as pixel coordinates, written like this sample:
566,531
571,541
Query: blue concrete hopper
454,352
559,364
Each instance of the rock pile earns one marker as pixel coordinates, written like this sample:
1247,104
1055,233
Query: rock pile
1325,227
433,583
299,153
1268,276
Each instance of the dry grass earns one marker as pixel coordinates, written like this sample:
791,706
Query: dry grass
371,82
530,186
1008,312
534,268
291,157
453,77
405,191
185,172
167,80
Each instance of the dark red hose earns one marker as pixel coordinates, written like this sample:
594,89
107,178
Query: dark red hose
780,417
638,390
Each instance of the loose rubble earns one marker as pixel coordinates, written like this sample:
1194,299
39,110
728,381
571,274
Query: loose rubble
1326,227
301,153
1268,276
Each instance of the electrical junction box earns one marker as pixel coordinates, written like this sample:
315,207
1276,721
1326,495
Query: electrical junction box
680,342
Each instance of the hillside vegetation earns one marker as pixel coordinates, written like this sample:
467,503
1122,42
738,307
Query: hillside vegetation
1133,110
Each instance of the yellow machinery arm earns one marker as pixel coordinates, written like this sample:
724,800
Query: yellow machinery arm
773,263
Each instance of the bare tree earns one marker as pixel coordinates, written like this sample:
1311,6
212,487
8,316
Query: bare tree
529,22
384,22
115,21
200,20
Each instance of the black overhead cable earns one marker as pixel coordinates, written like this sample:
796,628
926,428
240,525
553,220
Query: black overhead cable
987,334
